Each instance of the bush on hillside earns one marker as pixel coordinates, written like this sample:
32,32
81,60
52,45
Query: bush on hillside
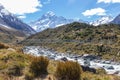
100,71
16,69
38,66
68,71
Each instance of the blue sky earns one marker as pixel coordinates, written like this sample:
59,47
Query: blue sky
87,10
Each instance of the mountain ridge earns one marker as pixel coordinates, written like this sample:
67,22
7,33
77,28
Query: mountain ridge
12,28
10,20
102,20
50,20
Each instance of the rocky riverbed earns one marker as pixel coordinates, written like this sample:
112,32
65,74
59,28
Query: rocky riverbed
91,61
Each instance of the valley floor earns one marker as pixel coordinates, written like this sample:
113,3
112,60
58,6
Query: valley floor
92,61
14,64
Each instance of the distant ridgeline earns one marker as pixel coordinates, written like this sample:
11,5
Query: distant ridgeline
80,38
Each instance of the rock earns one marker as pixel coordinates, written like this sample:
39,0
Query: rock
64,59
11,49
110,67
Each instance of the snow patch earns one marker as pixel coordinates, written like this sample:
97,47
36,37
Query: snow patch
102,20
5,12
50,20
5,26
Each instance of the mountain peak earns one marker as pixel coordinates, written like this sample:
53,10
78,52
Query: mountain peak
50,20
3,11
102,20
1,6
49,14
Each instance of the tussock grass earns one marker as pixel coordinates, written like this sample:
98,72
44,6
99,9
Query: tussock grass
38,66
68,71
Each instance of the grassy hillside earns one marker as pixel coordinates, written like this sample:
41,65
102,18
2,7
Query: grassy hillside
10,35
80,38
14,65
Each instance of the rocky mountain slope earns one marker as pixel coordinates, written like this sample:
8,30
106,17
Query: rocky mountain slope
8,20
116,20
12,28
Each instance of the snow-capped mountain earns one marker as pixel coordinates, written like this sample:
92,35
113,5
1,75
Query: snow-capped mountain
102,20
116,20
50,20
9,20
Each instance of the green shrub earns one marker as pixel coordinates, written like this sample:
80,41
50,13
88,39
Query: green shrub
16,69
39,66
68,71
100,71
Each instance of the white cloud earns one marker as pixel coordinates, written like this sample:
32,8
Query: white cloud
95,11
47,2
21,7
109,1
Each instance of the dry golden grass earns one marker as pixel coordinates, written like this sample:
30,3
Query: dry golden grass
9,59
68,71
91,76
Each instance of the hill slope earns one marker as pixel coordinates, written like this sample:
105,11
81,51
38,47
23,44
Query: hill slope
8,35
80,38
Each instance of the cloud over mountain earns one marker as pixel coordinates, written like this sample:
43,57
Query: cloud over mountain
95,11
21,7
